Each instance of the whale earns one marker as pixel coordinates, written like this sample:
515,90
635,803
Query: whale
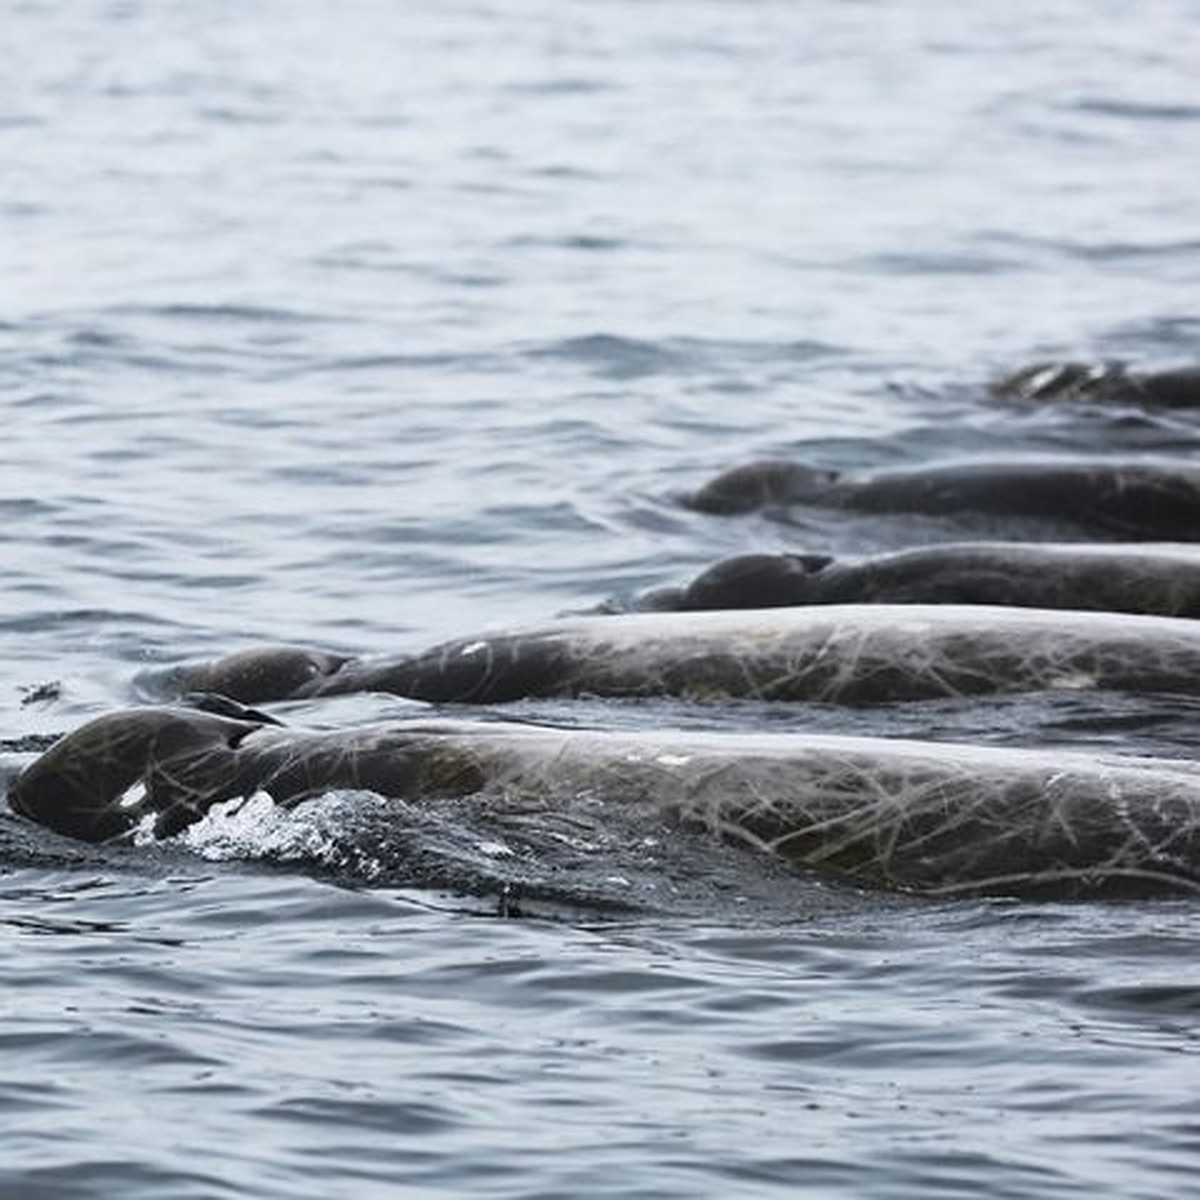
1137,577
924,817
1139,499
1100,383
851,653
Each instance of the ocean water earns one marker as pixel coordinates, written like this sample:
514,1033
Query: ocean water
371,324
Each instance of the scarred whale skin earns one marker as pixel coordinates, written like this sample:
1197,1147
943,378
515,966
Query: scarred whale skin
859,653
1134,498
1161,580
922,817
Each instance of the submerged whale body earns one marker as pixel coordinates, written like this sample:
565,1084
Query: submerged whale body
915,816
1142,499
857,653
1103,383
1116,578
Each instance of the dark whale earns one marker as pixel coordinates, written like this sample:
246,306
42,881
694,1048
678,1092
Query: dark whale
923,817
1134,498
1101,383
1135,578
856,653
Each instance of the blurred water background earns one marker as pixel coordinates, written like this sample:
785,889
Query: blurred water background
369,324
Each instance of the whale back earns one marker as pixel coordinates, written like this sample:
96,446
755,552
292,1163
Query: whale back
838,653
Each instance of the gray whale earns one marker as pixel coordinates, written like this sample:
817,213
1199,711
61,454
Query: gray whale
854,653
1133,498
922,817
1135,578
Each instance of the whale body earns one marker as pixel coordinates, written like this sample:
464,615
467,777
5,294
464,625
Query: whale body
922,817
1138,578
859,653
1133,498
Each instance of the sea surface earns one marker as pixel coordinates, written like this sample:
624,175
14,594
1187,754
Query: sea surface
369,324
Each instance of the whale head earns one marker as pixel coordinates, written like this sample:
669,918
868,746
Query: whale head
254,676
756,581
761,484
101,780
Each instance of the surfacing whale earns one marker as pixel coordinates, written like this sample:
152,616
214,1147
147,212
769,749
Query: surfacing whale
921,817
855,653
1101,383
1135,578
1134,498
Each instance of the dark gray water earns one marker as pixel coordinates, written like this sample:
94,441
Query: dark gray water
368,325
